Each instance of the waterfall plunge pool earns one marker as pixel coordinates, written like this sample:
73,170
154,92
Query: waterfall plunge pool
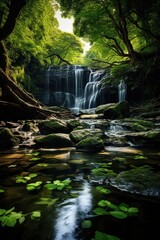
69,211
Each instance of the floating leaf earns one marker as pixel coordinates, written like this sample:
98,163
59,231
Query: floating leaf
86,224
118,214
104,236
35,214
100,211
2,190
33,186
103,190
2,211
123,207
105,203
8,220
133,210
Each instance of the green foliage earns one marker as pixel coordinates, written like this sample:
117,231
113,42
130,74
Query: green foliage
59,185
120,211
37,42
34,186
24,179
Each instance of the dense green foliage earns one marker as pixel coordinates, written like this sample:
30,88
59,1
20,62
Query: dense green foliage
120,28
36,39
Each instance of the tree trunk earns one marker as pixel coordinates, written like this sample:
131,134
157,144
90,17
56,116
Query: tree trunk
24,106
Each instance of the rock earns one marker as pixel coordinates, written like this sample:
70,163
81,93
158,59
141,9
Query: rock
7,139
150,138
73,123
141,180
90,144
53,126
57,140
114,110
78,135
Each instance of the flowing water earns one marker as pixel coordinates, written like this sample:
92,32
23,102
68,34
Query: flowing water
68,213
74,87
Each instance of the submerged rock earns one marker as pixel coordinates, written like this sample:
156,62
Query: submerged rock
141,180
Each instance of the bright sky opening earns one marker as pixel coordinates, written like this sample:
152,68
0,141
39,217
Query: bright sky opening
66,25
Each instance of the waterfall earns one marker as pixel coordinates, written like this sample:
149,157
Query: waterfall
122,89
47,91
74,87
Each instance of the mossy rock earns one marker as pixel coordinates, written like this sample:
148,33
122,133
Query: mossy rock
53,126
54,141
114,110
142,180
78,135
7,139
90,144
73,123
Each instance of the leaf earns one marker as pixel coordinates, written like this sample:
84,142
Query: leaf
36,214
1,190
33,175
133,210
100,211
123,207
9,221
10,210
103,190
2,211
104,236
21,220
105,203
86,224
118,214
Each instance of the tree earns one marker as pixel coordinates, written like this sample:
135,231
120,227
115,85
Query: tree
121,25
15,103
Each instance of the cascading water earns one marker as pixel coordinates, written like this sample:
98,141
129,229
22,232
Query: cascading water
74,87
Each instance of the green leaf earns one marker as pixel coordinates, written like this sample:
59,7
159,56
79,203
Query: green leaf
100,211
105,203
118,214
133,210
2,211
9,221
36,214
2,190
123,207
103,190
104,236
86,224
21,220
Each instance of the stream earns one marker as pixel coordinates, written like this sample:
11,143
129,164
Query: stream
71,208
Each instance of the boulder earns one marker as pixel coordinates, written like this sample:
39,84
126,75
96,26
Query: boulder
78,135
7,139
90,144
57,140
53,126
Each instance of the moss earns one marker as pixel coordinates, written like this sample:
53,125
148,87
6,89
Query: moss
54,140
90,144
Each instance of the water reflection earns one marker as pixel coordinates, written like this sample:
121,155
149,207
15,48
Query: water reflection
71,211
